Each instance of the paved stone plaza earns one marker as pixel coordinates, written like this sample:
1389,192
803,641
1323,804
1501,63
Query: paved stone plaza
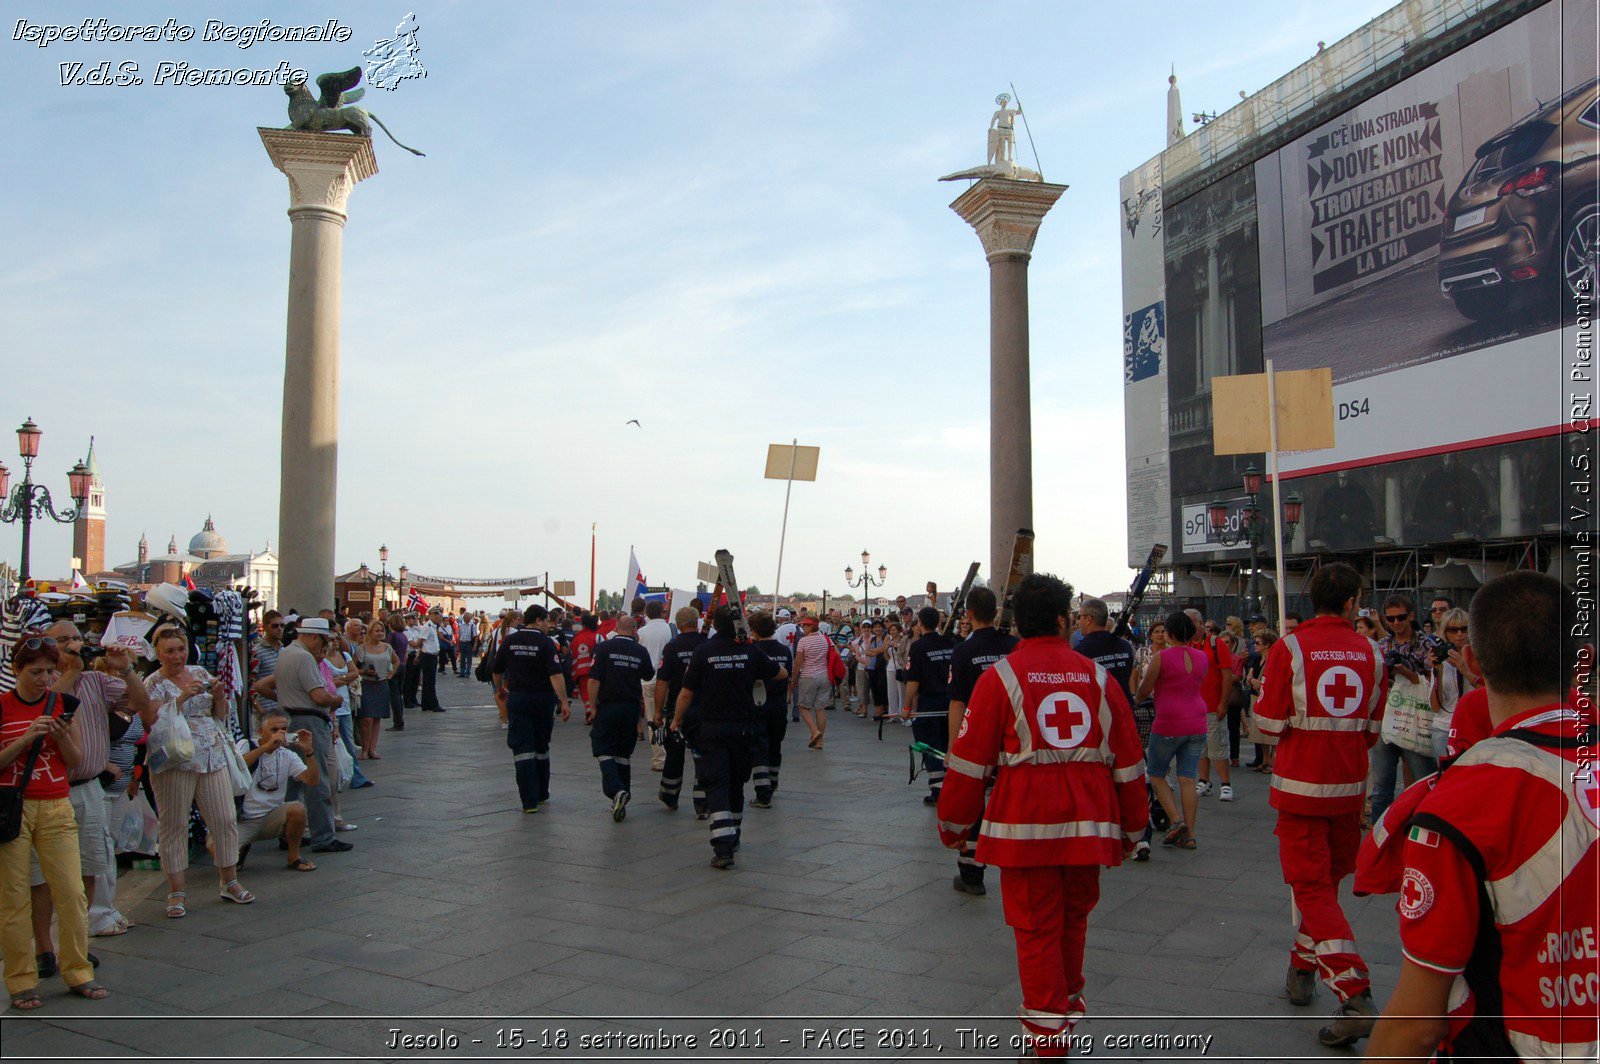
460,913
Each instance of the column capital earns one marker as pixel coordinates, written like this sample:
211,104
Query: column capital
1006,213
322,168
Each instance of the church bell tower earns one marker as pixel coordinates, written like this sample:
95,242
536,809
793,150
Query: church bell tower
89,530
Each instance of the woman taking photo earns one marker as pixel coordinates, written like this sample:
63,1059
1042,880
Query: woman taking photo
29,714
203,781
1453,675
1179,733
378,663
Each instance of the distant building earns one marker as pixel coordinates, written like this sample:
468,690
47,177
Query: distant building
206,562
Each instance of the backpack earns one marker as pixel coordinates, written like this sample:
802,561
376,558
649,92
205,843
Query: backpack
836,666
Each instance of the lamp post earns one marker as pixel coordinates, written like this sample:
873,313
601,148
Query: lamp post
383,575
1253,527
866,583
31,502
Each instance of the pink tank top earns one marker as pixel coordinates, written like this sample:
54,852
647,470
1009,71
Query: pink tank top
1179,708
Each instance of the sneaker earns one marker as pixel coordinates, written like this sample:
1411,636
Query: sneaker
1353,1022
762,803
1141,850
962,886
530,809
670,803
1226,794
1202,788
930,799
344,825
722,861
336,846
619,806
1301,985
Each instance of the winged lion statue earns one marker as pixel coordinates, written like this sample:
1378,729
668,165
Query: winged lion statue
332,110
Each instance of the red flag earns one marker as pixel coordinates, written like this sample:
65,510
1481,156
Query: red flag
187,582
416,603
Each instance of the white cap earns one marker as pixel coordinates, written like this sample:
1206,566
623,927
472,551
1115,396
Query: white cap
784,615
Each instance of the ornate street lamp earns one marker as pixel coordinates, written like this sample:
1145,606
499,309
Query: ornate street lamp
383,563
866,583
1253,526
31,502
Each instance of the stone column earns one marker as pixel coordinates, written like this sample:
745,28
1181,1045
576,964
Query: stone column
1006,215
322,168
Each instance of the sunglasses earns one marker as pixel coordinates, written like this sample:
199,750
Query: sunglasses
1396,618
35,642
1454,629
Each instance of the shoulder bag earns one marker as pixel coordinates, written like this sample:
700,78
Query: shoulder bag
11,797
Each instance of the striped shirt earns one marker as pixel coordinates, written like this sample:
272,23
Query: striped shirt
815,648
97,693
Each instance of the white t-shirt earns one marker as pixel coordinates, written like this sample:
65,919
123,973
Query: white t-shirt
275,770
824,627
654,637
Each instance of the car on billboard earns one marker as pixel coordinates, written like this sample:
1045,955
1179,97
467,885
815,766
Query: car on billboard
1526,217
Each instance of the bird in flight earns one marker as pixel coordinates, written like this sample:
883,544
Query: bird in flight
634,421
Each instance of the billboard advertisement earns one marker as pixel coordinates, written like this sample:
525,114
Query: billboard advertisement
1426,245
1144,362
1213,321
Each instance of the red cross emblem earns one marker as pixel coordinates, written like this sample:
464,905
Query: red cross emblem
1339,689
1064,720
1416,894
1587,787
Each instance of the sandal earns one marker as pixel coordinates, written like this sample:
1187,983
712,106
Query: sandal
1187,842
118,928
300,864
1175,836
175,908
232,891
26,1000
91,990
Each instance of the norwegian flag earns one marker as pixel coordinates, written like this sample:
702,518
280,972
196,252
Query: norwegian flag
416,603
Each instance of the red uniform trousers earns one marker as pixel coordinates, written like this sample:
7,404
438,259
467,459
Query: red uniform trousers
1316,853
1047,909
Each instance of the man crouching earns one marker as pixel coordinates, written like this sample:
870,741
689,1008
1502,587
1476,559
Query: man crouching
1057,733
274,758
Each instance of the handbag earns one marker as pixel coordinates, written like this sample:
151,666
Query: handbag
11,797
484,669
238,771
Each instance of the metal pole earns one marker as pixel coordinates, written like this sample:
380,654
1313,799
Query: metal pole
592,526
1253,605
794,450
1277,491
26,498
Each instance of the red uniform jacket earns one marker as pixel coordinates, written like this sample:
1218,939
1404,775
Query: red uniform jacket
1055,731
1509,832
1322,692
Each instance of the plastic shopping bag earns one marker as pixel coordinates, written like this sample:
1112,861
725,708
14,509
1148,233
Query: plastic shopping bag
347,764
171,743
138,832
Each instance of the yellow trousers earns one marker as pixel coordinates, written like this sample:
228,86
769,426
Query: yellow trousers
50,830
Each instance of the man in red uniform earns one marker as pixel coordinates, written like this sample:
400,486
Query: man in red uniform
583,644
1322,694
1500,900
1055,731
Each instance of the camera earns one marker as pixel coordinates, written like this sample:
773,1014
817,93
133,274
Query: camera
89,651
1441,653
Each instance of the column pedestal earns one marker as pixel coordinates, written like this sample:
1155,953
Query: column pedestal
322,168
1006,215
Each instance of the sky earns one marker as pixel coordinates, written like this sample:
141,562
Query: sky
720,219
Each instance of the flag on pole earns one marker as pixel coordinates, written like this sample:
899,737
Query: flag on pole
635,587
416,603
78,580
188,583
